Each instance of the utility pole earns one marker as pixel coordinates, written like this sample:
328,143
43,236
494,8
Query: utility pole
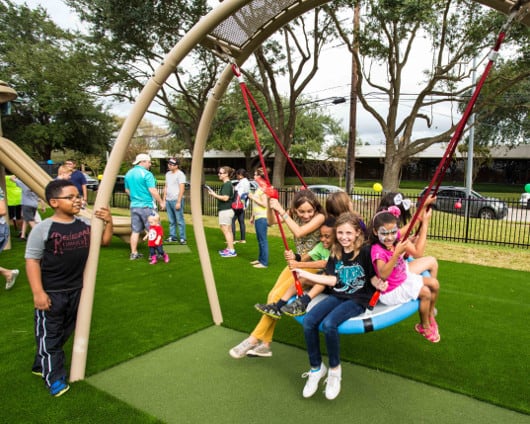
350,156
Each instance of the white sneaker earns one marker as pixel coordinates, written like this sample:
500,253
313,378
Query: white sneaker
313,377
10,282
333,383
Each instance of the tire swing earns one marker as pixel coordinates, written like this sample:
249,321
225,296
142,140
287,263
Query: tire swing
376,316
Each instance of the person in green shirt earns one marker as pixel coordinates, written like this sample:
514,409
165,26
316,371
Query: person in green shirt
14,203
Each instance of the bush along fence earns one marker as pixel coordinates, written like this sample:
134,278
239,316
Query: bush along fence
454,223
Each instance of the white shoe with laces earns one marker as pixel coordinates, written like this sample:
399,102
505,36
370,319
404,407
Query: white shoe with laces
10,282
313,377
333,383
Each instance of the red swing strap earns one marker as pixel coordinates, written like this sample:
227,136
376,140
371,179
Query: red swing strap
270,191
451,147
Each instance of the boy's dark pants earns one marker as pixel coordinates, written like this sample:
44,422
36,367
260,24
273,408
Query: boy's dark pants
52,330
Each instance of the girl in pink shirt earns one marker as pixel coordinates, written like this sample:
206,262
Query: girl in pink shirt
388,256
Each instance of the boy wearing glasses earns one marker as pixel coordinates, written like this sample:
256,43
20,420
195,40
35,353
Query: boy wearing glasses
56,255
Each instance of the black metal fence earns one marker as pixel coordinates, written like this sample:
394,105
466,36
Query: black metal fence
513,230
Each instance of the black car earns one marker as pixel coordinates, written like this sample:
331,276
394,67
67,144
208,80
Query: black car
454,200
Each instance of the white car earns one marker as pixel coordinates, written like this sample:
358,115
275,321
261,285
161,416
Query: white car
525,200
325,189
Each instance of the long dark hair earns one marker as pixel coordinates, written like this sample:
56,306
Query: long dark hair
388,200
303,196
241,172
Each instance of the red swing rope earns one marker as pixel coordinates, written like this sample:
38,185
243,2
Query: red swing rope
270,191
451,147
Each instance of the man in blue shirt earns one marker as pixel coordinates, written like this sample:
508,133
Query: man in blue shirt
79,180
140,185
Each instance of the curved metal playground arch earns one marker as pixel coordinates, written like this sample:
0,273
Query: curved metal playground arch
236,28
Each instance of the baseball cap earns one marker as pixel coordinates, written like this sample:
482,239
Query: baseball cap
173,161
141,157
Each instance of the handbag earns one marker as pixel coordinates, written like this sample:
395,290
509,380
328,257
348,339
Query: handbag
237,204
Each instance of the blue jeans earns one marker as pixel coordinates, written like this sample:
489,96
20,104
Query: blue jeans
176,218
263,243
330,312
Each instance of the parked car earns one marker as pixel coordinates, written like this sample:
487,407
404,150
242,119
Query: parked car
91,182
525,200
454,200
119,185
325,189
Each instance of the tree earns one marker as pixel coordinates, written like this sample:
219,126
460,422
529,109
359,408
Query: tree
231,130
294,53
458,30
504,105
53,75
132,37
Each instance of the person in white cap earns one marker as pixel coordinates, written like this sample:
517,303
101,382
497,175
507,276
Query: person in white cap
140,185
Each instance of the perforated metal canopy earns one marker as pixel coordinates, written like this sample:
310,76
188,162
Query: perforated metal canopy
240,33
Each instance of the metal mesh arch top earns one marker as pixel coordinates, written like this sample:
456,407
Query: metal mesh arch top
256,20
240,27
240,33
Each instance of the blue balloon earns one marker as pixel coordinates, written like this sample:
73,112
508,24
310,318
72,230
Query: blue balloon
49,162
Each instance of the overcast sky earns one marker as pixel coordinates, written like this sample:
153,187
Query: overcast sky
333,80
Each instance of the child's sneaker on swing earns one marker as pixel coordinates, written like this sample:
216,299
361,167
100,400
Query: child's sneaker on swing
269,309
431,334
313,377
295,308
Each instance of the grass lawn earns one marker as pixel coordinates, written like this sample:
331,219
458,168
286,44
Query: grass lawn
483,312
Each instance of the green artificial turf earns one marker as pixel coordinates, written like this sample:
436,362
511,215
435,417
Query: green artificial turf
149,382
139,307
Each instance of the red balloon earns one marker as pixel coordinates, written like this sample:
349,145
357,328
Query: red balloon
458,205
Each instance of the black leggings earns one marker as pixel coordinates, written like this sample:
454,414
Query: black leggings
239,215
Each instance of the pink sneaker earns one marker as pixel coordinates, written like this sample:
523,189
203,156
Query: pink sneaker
153,260
166,258
434,324
431,334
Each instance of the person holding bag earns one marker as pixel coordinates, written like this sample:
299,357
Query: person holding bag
239,205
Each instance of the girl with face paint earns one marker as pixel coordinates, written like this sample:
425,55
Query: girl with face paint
388,256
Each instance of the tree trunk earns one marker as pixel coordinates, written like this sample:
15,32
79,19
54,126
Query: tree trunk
278,173
392,175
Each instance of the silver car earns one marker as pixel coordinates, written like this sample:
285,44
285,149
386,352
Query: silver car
325,189
454,200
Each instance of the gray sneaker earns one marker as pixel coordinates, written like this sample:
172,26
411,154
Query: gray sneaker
294,309
10,282
261,350
269,309
135,256
240,351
